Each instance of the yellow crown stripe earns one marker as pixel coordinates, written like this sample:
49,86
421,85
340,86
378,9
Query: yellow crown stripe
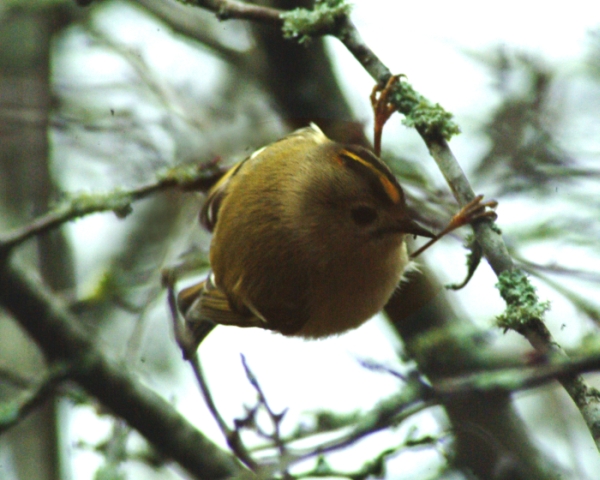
390,189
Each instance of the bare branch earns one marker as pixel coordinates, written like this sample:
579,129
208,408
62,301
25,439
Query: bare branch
389,413
228,9
276,418
232,436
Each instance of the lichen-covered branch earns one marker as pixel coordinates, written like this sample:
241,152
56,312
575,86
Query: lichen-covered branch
77,205
524,314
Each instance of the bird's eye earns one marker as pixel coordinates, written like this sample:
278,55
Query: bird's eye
364,215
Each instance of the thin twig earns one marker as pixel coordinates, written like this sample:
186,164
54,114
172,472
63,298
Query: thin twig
232,436
371,468
199,178
512,379
500,381
227,9
558,269
375,422
276,418
190,353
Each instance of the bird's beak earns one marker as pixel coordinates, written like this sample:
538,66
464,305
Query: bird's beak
408,225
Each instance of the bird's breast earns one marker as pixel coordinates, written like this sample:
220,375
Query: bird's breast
354,288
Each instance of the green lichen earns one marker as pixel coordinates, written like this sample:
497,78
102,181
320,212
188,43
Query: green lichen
9,413
522,302
83,203
180,174
428,118
304,24
109,472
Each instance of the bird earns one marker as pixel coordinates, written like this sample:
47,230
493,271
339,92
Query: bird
309,240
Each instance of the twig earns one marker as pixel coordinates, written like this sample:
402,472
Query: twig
558,269
276,418
509,380
186,177
227,9
392,411
189,351
381,419
371,469
232,436
500,381
378,367
326,422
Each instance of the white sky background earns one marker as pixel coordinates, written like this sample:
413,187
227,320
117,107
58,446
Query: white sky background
423,40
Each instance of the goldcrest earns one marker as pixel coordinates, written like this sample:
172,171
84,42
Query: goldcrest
308,240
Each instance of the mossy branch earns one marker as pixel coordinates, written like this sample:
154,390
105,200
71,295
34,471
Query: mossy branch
522,303
78,205
303,24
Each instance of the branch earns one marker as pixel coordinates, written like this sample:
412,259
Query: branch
276,418
60,336
501,381
393,411
510,380
228,9
371,469
233,438
190,24
435,135
387,414
186,177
